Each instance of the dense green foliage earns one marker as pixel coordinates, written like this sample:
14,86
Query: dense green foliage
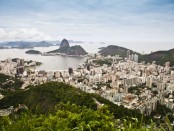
47,111
163,111
43,98
9,83
102,62
115,50
3,78
103,84
68,117
137,89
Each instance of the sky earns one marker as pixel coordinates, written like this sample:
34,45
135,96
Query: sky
87,20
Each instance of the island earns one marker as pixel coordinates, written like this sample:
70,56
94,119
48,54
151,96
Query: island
33,52
66,49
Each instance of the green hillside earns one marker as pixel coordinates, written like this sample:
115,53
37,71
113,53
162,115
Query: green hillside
9,84
58,106
161,57
115,50
43,98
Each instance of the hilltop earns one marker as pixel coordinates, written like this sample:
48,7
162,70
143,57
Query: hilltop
115,50
64,43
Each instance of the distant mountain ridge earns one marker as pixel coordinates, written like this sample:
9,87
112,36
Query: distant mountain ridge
26,44
32,44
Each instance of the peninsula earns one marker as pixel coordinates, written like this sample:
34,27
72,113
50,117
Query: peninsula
66,49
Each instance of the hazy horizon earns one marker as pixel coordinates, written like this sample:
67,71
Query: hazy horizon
146,25
138,46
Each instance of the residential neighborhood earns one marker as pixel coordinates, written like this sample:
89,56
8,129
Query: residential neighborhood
125,82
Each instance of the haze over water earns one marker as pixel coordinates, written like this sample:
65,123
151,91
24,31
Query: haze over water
57,62
49,63
64,62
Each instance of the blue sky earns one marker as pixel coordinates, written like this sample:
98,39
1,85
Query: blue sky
87,20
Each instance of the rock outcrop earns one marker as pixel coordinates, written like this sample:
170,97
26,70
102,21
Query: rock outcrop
64,43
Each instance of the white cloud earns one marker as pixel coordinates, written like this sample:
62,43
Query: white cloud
28,34
2,33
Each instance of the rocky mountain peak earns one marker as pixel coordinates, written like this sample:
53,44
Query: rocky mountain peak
64,43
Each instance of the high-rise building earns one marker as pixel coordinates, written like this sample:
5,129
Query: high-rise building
88,67
20,70
70,70
21,62
167,64
160,86
128,54
8,60
135,58
132,57
18,62
149,81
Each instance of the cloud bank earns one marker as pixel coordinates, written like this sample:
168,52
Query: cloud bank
87,20
30,34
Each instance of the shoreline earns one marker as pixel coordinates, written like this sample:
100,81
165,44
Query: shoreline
55,54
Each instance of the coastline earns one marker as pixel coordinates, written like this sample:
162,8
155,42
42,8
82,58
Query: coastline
62,54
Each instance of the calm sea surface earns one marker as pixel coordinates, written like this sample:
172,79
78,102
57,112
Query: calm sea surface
49,62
